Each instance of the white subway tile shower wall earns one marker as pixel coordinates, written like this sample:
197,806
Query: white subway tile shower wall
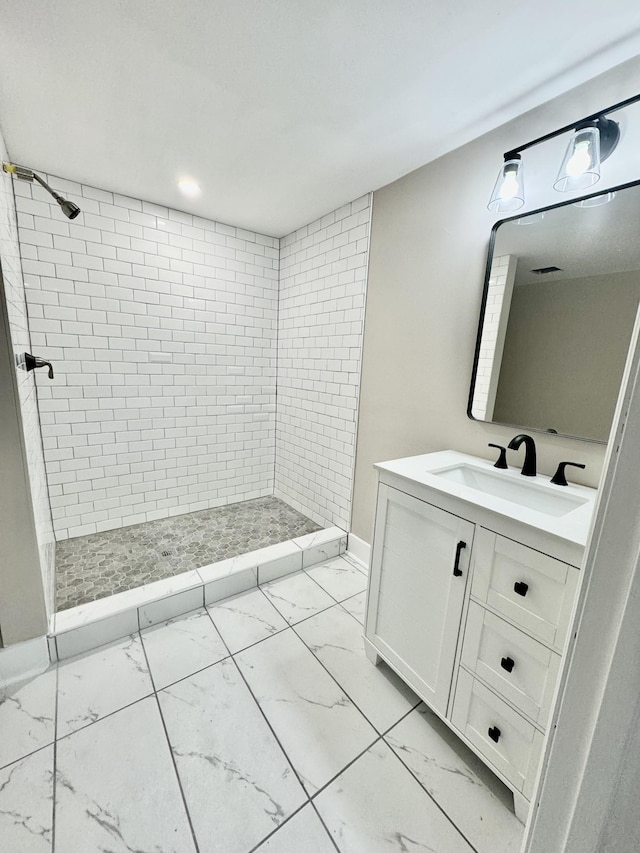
17,313
323,273
162,330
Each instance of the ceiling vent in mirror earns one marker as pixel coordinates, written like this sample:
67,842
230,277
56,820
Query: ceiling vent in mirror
545,270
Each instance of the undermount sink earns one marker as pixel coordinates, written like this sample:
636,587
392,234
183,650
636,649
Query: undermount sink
539,496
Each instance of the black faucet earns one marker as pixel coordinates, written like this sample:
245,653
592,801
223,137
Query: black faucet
529,467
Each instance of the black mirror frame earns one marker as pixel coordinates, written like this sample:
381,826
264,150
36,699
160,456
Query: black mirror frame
483,306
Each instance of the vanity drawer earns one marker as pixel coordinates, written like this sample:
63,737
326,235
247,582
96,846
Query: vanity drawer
517,667
534,591
515,753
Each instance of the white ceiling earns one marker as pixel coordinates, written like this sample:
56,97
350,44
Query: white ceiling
282,109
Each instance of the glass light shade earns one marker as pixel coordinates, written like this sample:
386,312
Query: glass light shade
580,167
508,191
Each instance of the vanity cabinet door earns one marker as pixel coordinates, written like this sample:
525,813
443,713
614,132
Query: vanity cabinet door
419,571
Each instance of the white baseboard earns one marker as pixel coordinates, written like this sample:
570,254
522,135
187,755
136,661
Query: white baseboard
360,549
23,660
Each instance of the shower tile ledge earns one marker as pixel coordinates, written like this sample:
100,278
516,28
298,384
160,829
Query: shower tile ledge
88,626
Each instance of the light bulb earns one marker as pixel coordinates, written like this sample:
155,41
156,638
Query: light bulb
580,160
509,188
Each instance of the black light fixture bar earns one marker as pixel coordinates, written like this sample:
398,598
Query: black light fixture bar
509,154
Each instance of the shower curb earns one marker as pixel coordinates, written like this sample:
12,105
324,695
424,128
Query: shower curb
81,629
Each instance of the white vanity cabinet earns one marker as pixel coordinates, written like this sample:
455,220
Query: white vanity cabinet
472,609
419,574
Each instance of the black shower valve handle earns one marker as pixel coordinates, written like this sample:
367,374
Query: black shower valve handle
31,362
502,459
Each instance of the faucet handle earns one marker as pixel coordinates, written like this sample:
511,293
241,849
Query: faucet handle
559,477
502,459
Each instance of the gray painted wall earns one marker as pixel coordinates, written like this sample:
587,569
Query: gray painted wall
22,606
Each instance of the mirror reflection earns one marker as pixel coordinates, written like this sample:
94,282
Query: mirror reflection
561,296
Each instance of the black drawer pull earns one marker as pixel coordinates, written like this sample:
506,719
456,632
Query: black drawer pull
494,734
507,663
457,571
520,587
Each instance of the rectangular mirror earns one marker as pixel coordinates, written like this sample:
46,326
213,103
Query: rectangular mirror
560,299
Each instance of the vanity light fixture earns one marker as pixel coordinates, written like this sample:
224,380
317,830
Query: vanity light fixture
593,139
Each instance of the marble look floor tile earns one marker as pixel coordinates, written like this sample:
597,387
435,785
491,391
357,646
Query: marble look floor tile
335,638
26,804
297,597
356,606
319,728
376,805
475,800
100,682
304,833
246,619
116,787
339,578
27,716
181,647
237,783
360,566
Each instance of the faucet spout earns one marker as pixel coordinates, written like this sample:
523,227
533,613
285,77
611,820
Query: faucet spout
529,467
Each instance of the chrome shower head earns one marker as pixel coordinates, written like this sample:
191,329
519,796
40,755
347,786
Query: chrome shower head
69,209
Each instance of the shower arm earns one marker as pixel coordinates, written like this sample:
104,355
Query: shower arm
69,208
44,184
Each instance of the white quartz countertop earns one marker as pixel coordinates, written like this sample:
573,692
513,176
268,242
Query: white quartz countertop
572,526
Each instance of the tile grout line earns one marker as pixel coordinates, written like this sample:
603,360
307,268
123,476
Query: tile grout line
379,737
173,760
26,755
316,565
333,678
195,672
256,848
309,798
326,828
431,797
264,716
360,754
55,765
382,736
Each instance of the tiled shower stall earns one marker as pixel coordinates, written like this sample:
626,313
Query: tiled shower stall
196,364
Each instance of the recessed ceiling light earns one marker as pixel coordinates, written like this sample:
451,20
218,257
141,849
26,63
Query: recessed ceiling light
188,187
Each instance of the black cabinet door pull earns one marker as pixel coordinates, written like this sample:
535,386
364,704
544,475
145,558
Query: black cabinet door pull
507,663
494,734
520,587
457,571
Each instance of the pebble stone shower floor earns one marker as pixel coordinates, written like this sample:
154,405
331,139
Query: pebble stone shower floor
102,564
